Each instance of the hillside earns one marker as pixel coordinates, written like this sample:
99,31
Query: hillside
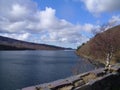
103,44
12,44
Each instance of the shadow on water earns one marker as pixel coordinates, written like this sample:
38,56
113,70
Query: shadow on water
85,64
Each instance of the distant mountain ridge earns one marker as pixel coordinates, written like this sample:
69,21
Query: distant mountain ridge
13,44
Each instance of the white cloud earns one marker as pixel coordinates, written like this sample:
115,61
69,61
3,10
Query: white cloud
18,11
46,18
69,34
99,6
22,36
88,27
20,19
115,20
15,27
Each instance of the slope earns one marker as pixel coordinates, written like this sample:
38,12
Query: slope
13,44
99,47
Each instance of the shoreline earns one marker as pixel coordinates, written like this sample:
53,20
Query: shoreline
93,80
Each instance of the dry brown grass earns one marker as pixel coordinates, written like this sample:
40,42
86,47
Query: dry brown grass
86,51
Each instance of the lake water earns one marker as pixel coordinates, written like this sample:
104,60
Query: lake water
20,69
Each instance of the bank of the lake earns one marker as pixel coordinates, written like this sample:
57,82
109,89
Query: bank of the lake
98,79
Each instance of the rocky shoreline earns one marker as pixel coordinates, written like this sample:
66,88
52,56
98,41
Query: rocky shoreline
97,79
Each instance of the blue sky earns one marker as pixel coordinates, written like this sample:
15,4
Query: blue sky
74,11
66,23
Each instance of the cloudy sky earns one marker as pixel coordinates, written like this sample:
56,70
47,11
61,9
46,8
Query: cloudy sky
66,23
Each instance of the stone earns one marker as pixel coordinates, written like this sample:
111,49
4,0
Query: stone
89,77
84,87
79,83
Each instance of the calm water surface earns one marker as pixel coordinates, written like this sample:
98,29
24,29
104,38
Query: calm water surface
20,69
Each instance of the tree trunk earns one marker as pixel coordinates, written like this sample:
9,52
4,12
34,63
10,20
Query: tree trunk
108,59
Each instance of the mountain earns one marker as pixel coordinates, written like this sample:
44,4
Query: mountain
102,46
13,44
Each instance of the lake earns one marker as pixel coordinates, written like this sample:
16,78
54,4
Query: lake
20,69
